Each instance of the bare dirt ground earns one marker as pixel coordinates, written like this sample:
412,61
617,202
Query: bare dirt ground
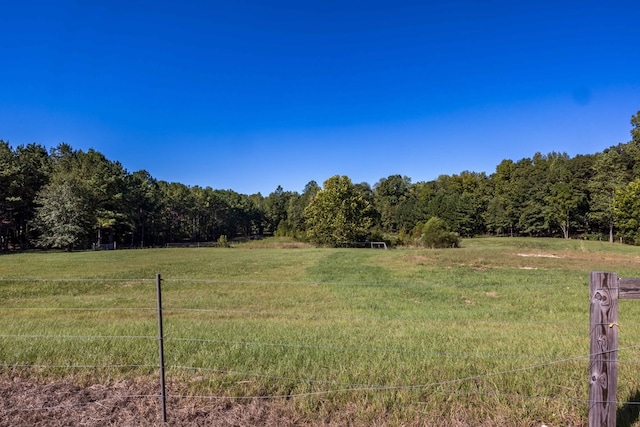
25,402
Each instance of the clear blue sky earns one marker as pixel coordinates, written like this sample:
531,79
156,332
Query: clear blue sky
249,95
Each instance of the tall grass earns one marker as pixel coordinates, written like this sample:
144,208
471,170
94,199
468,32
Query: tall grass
495,331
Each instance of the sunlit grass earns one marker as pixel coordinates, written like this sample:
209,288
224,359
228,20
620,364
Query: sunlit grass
500,324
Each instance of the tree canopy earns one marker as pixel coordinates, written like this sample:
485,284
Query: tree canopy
338,213
70,198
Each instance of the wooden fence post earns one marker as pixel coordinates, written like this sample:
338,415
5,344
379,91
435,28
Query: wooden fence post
603,363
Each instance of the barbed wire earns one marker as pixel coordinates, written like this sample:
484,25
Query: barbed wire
81,404
391,387
73,279
78,336
309,394
494,356
309,315
342,387
79,308
414,387
169,281
386,318
350,389
345,349
28,365
265,376
290,345
370,388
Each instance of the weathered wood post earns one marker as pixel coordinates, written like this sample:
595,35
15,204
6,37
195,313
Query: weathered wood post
603,363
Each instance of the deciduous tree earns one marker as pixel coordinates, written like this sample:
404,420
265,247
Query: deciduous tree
608,176
390,196
627,211
63,215
338,213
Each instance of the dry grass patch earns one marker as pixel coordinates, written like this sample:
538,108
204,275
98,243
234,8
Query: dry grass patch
136,402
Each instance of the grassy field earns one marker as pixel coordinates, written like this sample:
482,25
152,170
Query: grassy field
493,333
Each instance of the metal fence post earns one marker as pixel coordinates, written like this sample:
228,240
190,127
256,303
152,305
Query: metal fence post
163,396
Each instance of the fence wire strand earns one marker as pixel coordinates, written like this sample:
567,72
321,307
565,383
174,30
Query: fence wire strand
81,404
342,387
170,281
309,315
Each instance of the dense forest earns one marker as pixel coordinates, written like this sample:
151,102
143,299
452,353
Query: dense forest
67,198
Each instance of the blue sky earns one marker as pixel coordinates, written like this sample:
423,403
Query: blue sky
249,95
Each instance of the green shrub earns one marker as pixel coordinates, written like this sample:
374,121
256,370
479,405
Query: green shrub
222,241
436,234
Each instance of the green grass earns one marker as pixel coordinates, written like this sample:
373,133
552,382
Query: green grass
496,331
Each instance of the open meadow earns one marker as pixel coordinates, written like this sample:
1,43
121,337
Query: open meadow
495,333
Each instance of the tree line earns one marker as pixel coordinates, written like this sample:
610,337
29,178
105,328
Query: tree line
67,198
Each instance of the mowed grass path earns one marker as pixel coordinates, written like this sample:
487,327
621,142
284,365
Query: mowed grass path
494,332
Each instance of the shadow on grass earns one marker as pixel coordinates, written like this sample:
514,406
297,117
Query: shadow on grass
630,412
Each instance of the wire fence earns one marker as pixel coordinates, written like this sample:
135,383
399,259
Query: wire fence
300,385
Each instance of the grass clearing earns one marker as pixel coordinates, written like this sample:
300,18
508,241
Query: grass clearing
496,332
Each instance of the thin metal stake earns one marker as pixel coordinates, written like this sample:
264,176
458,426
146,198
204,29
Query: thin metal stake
161,348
